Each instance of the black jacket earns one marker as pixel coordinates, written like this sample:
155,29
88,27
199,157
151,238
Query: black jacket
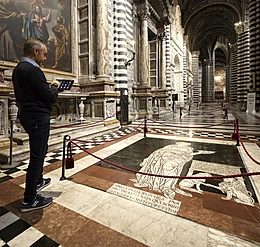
33,93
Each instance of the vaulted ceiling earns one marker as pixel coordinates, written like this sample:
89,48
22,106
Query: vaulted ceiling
204,21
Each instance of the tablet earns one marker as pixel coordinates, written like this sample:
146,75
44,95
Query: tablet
65,84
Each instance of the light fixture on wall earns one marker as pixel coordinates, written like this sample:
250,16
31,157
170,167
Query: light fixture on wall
127,63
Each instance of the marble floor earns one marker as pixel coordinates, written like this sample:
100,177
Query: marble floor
130,190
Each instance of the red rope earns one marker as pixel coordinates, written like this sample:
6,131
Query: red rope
239,138
165,176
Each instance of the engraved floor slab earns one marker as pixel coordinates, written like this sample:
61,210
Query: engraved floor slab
146,198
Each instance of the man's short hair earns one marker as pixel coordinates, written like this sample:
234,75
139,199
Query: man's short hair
31,43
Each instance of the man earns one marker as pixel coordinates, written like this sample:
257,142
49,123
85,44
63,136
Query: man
34,98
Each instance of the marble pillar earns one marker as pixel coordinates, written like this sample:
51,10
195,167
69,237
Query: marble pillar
195,70
163,60
144,48
211,73
243,63
101,91
102,40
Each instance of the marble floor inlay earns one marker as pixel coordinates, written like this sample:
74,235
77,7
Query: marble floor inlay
145,198
100,205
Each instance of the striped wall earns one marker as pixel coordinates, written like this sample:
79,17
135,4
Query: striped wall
169,76
233,74
243,61
184,72
254,19
121,37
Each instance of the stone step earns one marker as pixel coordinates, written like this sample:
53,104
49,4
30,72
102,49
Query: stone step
21,151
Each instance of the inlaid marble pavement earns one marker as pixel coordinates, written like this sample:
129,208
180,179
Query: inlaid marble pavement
100,205
227,204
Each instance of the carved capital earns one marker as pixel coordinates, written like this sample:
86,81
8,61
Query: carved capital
143,13
241,27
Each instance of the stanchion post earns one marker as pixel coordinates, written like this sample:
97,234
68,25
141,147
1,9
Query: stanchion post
65,139
11,142
226,113
145,126
238,144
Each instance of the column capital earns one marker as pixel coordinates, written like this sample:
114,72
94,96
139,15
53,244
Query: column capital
162,36
241,27
143,13
134,14
162,33
195,54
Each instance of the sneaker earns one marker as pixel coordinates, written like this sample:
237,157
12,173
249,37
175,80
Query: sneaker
38,202
45,182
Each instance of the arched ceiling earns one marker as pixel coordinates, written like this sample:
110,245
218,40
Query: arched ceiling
205,20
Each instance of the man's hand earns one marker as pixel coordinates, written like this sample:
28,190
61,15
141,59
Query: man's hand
55,83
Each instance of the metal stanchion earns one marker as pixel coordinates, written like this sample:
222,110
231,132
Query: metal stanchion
235,135
238,144
158,105
65,139
145,126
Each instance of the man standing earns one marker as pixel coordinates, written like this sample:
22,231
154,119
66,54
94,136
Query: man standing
34,98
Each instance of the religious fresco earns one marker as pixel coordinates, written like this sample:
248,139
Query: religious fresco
47,20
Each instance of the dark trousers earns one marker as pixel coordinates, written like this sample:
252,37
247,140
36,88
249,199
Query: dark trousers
38,129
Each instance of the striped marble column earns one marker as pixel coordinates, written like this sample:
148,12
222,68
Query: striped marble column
195,69
187,94
233,74
254,20
243,61
169,73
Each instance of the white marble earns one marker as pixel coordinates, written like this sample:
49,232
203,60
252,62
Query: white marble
148,225
18,173
254,152
26,238
218,238
2,175
2,243
79,198
7,219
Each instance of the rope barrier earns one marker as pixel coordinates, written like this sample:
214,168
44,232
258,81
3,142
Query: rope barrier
236,136
239,139
165,176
